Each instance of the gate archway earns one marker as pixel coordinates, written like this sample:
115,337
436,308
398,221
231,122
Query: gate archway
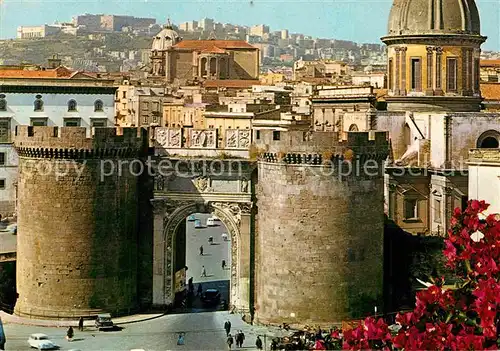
235,216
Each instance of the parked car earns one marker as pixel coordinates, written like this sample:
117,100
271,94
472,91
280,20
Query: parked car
12,228
211,297
191,218
211,222
197,224
41,342
104,322
215,218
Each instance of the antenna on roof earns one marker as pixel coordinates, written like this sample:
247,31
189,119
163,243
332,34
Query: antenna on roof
169,24
212,36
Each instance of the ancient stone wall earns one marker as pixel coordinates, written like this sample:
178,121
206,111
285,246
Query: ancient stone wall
320,228
77,226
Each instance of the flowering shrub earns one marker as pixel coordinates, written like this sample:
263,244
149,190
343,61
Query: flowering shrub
464,318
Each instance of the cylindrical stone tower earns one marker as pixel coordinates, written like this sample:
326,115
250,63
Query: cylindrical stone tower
319,247
77,213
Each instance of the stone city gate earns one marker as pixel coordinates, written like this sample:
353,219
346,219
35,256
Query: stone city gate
199,186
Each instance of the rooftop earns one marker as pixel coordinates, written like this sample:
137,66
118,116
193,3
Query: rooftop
209,44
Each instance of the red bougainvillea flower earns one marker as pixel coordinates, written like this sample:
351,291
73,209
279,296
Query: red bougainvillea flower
465,318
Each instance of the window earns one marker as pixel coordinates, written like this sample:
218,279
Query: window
145,106
430,63
416,74
156,106
2,158
451,74
437,210
38,122
2,183
38,104
276,135
98,106
3,103
353,128
488,140
145,120
389,74
98,123
464,201
411,208
71,122
489,143
4,131
124,94
257,134
71,105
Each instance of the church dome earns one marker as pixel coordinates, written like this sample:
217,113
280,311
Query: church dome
422,17
167,38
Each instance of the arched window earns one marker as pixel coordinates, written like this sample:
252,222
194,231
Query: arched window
3,103
71,105
38,104
353,128
98,106
488,140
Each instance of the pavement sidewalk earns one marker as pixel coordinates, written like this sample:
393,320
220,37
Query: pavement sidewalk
9,318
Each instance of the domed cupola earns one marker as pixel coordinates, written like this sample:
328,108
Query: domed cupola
433,55
418,17
167,38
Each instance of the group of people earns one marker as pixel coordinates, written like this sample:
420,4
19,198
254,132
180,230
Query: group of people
70,333
307,340
239,337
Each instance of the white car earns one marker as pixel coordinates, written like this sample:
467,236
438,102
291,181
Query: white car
41,342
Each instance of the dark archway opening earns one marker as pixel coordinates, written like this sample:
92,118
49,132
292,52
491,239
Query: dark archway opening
202,280
489,143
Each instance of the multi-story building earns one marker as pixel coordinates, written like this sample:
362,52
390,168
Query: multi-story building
189,61
36,32
259,30
50,97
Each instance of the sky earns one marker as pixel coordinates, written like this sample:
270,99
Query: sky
363,21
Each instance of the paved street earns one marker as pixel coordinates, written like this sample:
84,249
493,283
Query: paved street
204,331
212,255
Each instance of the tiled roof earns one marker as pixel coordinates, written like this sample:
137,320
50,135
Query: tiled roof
205,44
228,83
490,91
60,72
489,63
214,50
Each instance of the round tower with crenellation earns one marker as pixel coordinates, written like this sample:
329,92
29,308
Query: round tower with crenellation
319,246
77,213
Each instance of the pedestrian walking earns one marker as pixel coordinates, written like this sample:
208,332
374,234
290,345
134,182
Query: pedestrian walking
258,343
203,271
237,339
201,250
223,264
242,338
80,324
69,334
230,341
180,339
200,290
210,240
227,327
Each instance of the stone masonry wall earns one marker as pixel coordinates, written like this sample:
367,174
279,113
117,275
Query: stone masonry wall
77,231
320,245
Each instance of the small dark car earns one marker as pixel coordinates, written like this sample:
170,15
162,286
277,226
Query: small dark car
211,297
104,322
